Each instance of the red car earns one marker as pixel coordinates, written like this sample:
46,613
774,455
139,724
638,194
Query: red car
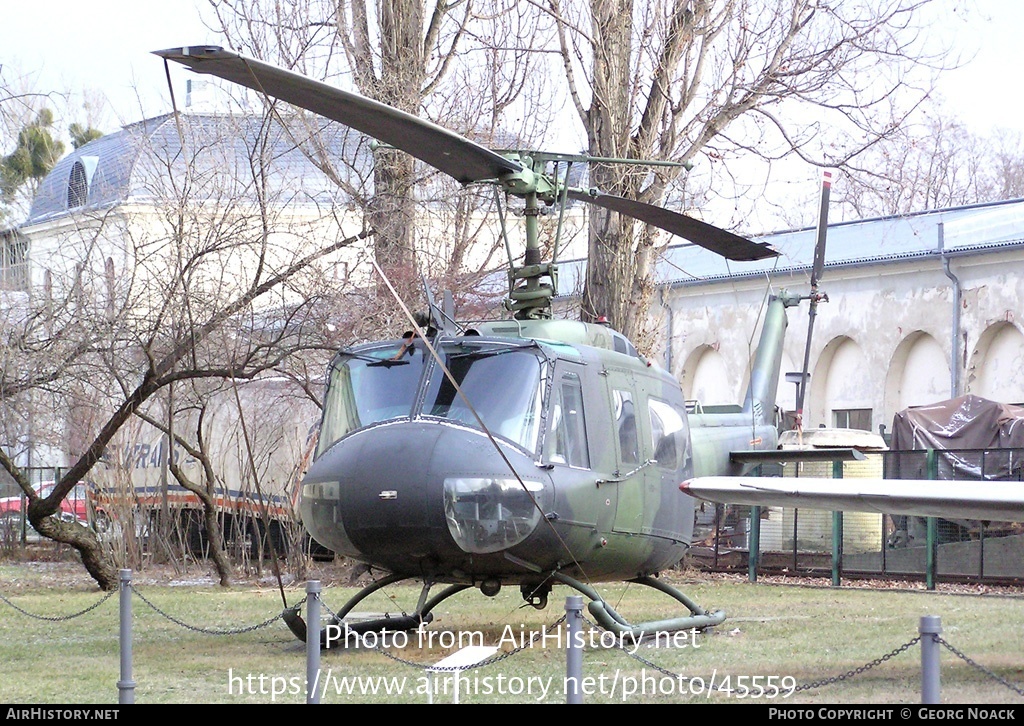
74,507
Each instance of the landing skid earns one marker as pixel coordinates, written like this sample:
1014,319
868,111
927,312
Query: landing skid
392,623
605,615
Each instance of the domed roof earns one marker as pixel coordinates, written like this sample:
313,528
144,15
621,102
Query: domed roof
144,162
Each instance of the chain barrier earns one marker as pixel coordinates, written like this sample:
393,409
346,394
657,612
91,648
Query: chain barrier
60,618
633,655
209,631
515,651
856,671
644,661
664,671
977,666
805,687
862,669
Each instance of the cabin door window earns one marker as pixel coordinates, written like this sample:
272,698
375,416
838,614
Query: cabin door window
625,427
566,442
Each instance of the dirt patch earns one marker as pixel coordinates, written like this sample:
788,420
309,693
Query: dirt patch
43,566
696,576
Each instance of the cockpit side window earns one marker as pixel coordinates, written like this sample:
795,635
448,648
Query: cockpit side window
566,442
368,388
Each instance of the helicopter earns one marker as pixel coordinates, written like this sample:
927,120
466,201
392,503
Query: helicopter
529,451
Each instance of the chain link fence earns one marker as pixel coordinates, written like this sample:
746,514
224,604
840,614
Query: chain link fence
803,542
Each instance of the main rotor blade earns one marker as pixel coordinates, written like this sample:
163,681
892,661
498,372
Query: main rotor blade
725,243
819,248
998,501
445,150
816,270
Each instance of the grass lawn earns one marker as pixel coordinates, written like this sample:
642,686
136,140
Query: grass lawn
777,641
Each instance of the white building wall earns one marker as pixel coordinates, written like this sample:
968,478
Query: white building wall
883,341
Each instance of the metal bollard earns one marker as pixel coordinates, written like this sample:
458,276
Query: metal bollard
313,641
929,629
125,685
754,544
837,534
574,649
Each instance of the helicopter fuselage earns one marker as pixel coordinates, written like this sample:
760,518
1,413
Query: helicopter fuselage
559,449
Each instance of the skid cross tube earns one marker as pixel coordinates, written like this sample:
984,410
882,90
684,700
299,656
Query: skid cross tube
607,618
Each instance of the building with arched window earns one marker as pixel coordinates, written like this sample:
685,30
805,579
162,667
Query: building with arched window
921,308
190,212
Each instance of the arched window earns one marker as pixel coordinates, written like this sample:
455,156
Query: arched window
995,370
78,186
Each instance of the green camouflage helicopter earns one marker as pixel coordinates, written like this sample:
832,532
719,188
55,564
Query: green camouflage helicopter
529,451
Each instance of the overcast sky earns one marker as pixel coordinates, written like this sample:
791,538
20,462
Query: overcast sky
983,92
106,45
102,45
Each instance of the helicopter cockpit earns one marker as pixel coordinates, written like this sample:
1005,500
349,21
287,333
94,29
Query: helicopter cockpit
420,421
371,386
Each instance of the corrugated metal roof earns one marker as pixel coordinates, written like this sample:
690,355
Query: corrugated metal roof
967,229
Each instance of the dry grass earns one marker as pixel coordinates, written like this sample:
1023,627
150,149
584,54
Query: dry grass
775,635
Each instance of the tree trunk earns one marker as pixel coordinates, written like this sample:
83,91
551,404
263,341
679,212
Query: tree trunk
392,216
392,208
214,533
215,537
96,559
615,284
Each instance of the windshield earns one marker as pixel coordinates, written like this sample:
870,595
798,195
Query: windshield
503,386
369,388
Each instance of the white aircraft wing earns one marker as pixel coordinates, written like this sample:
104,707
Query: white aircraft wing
997,501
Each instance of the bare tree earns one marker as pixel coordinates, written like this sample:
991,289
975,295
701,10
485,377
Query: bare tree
239,447
205,488
931,165
421,58
707,80
932,161
1007,165
142,296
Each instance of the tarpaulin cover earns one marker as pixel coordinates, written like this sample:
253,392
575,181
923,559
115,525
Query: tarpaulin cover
960,427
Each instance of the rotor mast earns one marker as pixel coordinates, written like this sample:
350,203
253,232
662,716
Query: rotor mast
531,299
816,296
532,285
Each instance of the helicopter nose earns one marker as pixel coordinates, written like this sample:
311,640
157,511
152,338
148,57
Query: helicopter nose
424,491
